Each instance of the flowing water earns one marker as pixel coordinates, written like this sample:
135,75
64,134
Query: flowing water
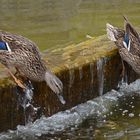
117,118
53,23
100,71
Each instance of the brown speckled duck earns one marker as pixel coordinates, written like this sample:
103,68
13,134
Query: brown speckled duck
22,54
128,43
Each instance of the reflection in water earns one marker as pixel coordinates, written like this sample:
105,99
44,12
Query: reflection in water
52,23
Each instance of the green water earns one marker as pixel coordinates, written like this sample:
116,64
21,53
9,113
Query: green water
52,23
122,123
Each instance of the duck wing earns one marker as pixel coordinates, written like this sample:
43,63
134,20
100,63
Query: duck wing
114,33
16,42
131,39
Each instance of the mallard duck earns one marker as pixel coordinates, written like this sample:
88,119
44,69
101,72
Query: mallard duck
22,54
128,42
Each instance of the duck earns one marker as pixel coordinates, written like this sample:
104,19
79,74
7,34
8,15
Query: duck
23,55
127,41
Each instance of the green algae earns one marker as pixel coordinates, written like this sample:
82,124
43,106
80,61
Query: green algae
76,55
77,66
72,56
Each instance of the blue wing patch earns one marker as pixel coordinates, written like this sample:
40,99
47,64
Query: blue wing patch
3,46
126,39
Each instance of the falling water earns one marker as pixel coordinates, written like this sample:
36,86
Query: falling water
71,77
74,116
91,72
71,80
124,78
91,75
25,97
100,75
80,73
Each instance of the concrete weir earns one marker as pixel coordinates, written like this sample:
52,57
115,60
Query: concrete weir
87,70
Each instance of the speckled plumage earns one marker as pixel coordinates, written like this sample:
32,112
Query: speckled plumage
25,57
129,48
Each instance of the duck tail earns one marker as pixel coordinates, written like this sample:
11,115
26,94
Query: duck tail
129,29
111,31
55,84
125,18
127,26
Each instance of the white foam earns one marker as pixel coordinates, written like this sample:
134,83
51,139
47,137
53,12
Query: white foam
74,116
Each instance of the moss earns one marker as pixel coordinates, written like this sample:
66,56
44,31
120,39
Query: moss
72,56
76,65
77,55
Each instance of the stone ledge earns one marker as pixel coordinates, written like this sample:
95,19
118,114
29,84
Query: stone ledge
87,70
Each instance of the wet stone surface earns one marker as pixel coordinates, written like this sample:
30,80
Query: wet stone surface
114,115
87,70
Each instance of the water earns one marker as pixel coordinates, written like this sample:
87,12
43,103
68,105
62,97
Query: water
25,97
100,74
80,73
71,77
91,73
52,23
119,120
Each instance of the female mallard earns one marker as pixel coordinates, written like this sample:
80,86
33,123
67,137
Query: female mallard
22,54
128,43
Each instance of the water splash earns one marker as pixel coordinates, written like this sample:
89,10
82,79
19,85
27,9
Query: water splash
73,117
123,81
25,97
61,99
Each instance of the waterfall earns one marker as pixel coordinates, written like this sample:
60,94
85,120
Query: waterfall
80,73
71,77
91,72
100,75
91,75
